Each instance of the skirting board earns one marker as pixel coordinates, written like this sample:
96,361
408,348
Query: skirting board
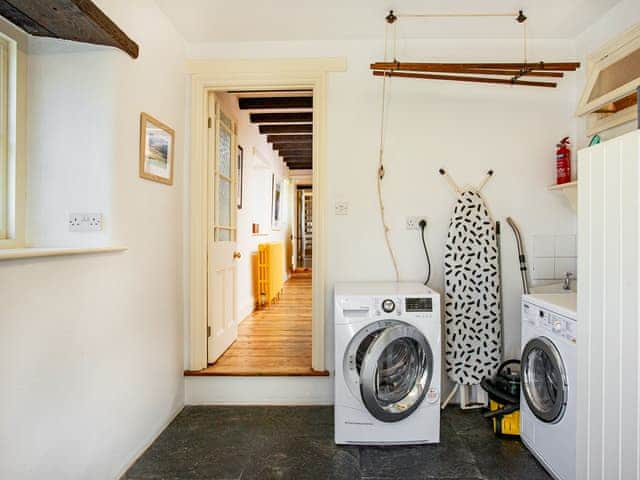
259,390
246,309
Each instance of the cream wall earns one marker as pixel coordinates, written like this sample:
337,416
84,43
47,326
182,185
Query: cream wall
260,163
91,347
465,128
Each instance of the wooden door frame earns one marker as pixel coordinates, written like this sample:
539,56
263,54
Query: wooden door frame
216,75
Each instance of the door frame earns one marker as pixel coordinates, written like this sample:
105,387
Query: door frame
214,75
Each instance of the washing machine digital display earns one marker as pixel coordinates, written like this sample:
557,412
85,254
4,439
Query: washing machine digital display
419,305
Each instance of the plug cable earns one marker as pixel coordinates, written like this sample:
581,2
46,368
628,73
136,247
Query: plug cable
423,226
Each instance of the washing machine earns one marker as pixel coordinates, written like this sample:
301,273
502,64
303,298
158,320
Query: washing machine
387,364
548,391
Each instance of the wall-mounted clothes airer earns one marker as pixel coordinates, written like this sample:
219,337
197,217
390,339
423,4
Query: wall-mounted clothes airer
513,73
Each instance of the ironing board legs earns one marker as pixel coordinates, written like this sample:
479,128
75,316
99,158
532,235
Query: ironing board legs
465,392
450,396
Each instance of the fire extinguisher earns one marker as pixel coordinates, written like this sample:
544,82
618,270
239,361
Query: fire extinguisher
563,161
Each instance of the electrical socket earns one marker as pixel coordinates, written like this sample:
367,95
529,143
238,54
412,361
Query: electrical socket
413,223
342,208
85,222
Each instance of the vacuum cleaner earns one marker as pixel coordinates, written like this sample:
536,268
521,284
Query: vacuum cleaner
504,398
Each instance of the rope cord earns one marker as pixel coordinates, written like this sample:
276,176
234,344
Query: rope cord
380,171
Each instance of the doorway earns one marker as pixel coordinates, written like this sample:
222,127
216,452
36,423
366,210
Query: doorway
252,75
259,295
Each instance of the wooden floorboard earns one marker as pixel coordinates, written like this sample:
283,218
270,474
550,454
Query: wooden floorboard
275,341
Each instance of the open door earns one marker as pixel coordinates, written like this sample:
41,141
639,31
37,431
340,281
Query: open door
222,247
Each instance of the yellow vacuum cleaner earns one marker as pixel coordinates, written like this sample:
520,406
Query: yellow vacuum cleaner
504,398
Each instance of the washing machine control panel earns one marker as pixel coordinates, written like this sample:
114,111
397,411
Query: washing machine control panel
553,323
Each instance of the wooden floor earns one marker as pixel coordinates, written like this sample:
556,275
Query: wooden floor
275,340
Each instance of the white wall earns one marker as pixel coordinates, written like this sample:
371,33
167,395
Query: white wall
465,128
91,347
260,163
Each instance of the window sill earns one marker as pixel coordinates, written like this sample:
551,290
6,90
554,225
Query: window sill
34,252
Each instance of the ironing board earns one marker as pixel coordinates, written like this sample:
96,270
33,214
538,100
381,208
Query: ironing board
472,288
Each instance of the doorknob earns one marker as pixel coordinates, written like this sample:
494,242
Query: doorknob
237,255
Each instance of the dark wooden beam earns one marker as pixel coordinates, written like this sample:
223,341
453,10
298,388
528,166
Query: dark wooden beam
286,128
300,167
289,139
262,103
292,117
297,160
293,146
76,20
295,149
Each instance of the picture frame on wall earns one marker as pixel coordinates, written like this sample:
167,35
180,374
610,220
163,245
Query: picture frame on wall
239,176
157,146
276,202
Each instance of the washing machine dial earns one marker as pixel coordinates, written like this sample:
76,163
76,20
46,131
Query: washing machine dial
557,326
388,305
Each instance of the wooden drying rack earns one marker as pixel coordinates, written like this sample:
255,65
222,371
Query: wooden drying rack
474,72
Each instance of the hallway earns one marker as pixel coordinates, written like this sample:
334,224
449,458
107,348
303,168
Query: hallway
275,340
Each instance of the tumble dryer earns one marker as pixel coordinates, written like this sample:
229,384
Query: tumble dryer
548,391
387,362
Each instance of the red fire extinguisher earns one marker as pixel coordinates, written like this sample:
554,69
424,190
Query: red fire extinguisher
563,161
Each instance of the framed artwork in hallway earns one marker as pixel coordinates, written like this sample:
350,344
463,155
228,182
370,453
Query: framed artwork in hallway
156,150
276,202
239,174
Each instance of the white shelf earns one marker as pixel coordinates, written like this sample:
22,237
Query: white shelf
569,190
34,252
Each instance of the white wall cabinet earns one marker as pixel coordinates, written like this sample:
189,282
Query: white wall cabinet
608,296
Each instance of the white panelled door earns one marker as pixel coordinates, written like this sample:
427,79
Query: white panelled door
608,444
222,249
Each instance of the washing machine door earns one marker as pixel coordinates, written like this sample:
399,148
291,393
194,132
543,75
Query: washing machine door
393,362
544,380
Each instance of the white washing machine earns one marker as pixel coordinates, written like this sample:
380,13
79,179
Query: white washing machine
548,392
387,362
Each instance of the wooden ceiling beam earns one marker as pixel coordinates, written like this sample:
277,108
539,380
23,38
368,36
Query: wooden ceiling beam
292,146
289,139
263,103
291,117
76,20
286,128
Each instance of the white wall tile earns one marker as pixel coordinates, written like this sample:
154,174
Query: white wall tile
564,266
543,268
566,246
544,246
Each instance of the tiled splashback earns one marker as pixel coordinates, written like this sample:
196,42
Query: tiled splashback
553,257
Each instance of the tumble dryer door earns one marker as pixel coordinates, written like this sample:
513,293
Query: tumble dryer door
544,380
392,362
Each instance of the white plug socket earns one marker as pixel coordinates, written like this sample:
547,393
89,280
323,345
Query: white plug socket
85,222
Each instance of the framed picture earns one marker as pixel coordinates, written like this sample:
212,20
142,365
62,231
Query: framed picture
276,204
156,150
239,173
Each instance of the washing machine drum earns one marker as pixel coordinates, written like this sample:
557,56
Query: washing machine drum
389,366
544,380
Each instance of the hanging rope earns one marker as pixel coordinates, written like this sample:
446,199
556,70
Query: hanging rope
380,171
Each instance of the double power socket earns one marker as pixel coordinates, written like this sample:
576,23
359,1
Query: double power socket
85,222
413,223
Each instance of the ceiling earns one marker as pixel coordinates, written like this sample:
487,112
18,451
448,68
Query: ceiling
300,20
286,119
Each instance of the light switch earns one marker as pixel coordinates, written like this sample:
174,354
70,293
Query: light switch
342,208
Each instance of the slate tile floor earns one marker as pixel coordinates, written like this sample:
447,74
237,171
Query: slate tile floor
215,443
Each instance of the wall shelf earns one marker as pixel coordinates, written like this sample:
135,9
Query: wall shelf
569,190
34,252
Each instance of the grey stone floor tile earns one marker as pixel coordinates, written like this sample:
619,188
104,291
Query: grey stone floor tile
247,443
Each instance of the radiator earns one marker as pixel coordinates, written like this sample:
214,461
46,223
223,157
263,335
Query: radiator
270,276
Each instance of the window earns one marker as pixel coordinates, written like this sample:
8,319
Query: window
11,171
